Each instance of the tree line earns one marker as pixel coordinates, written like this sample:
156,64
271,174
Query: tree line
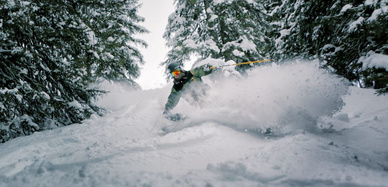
341,34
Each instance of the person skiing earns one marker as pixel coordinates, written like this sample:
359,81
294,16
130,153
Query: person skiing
186,83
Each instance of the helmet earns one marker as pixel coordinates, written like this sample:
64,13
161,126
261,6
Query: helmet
173,66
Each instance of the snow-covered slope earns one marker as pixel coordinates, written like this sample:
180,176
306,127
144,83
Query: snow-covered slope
315,142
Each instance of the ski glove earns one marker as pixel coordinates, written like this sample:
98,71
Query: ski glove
207,67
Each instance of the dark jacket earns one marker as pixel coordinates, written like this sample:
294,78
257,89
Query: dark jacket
182,84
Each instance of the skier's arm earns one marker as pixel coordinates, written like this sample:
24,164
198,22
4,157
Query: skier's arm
202,70
172,100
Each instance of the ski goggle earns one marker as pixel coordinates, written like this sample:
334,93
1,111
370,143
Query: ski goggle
176,72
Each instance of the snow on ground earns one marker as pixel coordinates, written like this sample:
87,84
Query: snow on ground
324,134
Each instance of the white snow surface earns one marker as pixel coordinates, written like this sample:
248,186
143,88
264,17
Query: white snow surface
374,60
324,134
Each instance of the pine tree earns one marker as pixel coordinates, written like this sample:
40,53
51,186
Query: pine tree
339,33
112,51
227,30
360,34
47,53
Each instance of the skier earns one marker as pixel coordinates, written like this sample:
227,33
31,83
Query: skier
186,83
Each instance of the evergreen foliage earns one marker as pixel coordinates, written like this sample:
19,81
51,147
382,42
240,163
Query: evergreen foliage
227,30
112,52
344,35
52,50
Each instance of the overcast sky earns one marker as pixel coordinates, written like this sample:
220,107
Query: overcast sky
156,14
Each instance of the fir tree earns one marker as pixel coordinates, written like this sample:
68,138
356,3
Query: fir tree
339,33
51,50
228,30
112,51
360,34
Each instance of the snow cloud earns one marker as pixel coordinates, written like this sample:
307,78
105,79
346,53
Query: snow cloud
271,96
